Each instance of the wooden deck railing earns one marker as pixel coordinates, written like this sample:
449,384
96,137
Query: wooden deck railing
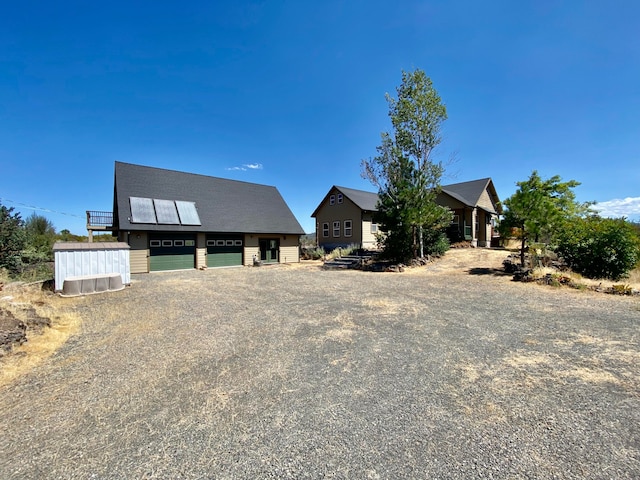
99,219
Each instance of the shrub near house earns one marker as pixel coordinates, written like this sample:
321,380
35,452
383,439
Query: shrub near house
600,247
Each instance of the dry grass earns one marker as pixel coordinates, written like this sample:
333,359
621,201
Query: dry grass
39,345
633,279
278,372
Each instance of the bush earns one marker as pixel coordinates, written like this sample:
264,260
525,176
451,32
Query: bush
313,253
436,242
600,247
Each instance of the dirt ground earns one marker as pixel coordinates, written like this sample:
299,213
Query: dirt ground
448,371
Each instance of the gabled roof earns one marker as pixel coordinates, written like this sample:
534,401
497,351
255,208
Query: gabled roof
470,192
222,205
364,200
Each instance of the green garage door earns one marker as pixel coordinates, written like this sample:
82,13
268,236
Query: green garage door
172,252
224,251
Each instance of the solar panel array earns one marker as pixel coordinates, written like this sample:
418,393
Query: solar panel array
142,210
188,213
164,212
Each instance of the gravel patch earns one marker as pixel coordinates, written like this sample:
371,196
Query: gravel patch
289,372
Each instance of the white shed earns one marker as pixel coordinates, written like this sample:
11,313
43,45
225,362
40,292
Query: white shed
78,260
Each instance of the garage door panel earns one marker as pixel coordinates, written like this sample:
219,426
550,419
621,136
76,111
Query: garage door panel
171,262
224,259
172,252
224,251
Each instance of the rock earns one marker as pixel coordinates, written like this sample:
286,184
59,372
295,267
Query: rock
12,332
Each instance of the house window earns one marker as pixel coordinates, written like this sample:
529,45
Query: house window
455,220
347,228
336,229
332,200
340,198
374,228
325,230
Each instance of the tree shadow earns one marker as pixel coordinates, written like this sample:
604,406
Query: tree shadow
498,272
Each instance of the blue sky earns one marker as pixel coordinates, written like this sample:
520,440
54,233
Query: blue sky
291,94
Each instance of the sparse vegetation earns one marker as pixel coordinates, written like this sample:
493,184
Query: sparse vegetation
26,245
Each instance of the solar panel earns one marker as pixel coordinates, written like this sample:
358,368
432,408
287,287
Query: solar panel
188,213
166,212
142,210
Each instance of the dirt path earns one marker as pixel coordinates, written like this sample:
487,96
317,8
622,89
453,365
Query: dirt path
305,373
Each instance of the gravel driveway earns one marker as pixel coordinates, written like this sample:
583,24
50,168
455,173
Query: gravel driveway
289,372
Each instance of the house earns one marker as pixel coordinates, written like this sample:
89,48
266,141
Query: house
175,220
345,216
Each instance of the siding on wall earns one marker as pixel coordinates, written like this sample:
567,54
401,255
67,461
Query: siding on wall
80,259
251,248
368,238
201,250
485,201
139,254
289,249
289,254
339,212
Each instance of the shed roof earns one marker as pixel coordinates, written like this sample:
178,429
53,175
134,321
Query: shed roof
69,246
222,205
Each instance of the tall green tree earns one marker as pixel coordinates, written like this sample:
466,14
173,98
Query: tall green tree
539,209
405,172
12,239
40,237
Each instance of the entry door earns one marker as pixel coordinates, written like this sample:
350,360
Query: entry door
269,248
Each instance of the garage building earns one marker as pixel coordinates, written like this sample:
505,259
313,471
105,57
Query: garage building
176,220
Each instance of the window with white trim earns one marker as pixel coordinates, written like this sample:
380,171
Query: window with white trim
332,200
325,229
155,243
348,228
374,228
178,243
336,228
340,198
455,220
167,243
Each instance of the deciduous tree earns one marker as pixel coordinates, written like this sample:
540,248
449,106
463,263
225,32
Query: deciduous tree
405,172
12,239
